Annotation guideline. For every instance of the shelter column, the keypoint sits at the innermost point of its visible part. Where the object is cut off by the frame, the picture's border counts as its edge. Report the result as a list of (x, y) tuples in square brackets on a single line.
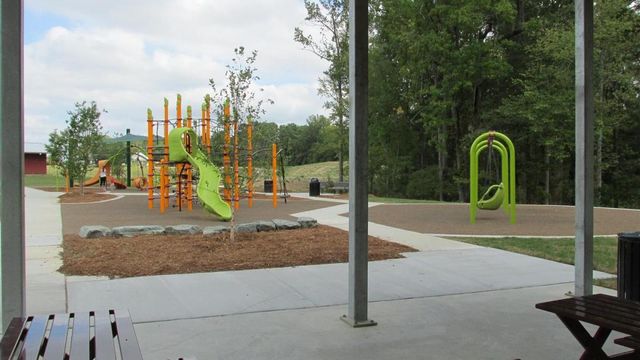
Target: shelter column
[(358, 168), (584, 148), (11, 161)]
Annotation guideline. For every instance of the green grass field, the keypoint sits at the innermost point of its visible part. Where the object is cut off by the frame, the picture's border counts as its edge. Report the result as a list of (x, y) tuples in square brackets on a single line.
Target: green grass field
[(605, 251)]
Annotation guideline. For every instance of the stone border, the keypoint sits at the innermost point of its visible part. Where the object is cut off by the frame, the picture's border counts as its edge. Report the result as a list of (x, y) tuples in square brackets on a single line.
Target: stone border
[(98, 231)]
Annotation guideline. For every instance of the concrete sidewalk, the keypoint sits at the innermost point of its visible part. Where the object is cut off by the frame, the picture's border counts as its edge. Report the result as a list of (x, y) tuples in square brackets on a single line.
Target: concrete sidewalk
[(454, 301), (46, 291), (486, 325)]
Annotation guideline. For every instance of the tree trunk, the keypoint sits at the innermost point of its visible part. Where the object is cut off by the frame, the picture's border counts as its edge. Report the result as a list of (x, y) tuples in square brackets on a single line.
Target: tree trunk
[(547, 177), (341, 130), (442, 159), (598, 169)]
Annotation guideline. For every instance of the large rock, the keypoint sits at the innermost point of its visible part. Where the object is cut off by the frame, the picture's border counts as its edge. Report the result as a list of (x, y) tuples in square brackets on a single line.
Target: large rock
[(183, 229), (134, 230), (307, 222), (265, 225), (94, 231), (282, 224), (247, 228), (213, 230)]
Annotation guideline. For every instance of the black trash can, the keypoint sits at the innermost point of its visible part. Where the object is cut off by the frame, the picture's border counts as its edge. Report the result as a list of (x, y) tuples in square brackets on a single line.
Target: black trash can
[(268, 186), (314, 187), (629, 266)]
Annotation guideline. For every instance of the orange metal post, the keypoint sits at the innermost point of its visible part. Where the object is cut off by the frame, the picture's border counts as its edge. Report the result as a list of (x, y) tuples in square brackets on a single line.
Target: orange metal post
[(207, 102), (225, 154), (274, 174), (188, 166), (203, 125), (179, 111), (250, 161), (162, 180), (166, 130), (236, 177), (150, 155)]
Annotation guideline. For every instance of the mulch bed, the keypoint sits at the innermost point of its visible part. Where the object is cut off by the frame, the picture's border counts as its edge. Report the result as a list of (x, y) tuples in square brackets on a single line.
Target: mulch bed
[(157, 255), (90, 195)]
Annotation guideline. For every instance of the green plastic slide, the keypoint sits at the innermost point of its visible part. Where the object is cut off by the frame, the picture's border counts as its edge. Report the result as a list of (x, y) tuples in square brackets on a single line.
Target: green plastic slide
[(209, 175)]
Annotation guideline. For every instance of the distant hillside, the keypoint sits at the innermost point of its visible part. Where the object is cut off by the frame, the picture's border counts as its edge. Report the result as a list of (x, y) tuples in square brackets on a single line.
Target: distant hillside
[(324, 171), (127, 137)]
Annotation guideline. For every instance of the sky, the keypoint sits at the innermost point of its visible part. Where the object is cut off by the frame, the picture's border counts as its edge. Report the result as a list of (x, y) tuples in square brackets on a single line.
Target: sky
[(128, 56)]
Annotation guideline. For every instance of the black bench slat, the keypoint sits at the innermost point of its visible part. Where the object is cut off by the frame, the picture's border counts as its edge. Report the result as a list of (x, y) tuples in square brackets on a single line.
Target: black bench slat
[(598, 311), (35, 337), (10, 337), (129, 348), (628, 341), (80, 337), (57, 339), (103, 337)]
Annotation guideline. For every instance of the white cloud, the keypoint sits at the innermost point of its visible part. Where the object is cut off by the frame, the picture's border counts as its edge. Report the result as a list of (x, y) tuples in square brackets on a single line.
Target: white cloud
[(129, 55)]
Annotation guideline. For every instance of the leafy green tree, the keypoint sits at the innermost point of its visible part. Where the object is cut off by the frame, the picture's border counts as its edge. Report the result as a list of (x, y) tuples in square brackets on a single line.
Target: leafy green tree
[(332, 19), (74, 149)]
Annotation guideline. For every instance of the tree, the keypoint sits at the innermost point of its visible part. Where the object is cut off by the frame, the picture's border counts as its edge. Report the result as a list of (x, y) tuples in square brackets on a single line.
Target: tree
[(331, 16), (74, 149), (240, 76)]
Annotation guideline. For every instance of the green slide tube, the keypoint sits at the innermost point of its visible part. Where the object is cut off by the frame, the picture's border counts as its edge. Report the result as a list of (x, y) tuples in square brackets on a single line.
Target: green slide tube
[(209, 182)]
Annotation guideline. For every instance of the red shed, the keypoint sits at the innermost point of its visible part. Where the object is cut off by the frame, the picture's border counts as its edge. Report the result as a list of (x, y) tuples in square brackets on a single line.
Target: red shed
[(35, 163)]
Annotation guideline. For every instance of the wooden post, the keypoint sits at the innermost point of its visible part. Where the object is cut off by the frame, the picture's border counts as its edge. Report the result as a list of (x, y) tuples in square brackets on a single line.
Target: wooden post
[(150, 155), (274, 174)]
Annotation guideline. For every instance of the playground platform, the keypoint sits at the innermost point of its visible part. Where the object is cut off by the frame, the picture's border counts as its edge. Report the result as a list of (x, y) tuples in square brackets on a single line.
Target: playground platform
[(449, 301)]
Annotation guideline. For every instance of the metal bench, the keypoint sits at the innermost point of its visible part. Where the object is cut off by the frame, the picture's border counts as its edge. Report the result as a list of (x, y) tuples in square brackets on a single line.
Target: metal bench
[(340, 187), (74, 336), (609, 313)]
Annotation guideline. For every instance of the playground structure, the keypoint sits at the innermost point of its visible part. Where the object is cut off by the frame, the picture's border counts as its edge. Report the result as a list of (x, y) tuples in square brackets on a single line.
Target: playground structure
[(105, 164), (181, 153), (497, 195)]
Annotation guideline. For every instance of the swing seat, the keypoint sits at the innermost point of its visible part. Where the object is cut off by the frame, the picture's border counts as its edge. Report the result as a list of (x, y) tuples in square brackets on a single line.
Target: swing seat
[(492, 198)]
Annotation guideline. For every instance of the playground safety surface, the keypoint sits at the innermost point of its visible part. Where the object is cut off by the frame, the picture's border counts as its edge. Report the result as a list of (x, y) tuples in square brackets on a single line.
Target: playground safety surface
[(532, 220)]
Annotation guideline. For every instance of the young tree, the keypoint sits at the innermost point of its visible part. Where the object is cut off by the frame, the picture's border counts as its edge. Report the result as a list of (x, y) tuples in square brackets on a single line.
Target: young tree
[(332, 18), (239, 90), (74, 148)]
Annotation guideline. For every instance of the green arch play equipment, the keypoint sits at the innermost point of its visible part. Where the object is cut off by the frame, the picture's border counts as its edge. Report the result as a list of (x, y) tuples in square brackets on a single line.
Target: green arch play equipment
[(503, 194), (183, 147)]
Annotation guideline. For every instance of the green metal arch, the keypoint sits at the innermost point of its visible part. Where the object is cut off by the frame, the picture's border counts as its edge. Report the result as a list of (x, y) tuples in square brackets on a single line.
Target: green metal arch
[(510, 185)]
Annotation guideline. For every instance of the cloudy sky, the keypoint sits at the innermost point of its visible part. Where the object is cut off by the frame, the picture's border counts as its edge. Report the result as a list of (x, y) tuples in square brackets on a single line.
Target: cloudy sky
[(128, 55)]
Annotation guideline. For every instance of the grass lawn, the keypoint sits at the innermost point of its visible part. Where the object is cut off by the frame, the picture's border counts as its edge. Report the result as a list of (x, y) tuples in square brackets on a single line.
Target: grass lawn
[(605, 251)]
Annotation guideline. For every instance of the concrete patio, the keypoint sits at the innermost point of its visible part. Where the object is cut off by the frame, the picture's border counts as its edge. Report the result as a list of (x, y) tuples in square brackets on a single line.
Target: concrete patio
[(449, 301)]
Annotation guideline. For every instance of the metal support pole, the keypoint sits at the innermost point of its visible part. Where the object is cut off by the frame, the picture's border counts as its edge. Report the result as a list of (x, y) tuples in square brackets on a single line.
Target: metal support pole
[(12, 161), (584, 148), (358, 164)]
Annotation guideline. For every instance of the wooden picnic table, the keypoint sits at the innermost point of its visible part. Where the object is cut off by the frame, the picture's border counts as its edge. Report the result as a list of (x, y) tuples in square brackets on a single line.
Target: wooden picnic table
[(607, 312), (81, 335)]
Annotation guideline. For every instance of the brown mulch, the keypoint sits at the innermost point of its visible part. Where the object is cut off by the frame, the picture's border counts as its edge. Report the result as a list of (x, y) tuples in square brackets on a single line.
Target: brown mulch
[(90, 195), (163, 254)]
